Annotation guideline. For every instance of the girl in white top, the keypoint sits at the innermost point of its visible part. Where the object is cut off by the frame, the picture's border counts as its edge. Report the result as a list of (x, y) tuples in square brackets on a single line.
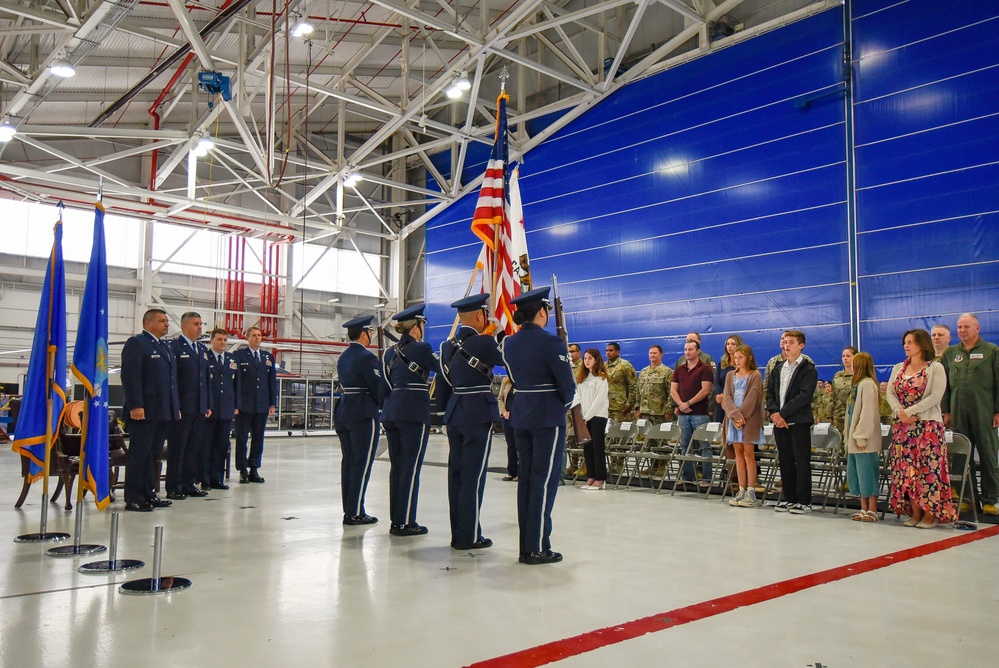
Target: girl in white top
[(863, 437), (591, 393)]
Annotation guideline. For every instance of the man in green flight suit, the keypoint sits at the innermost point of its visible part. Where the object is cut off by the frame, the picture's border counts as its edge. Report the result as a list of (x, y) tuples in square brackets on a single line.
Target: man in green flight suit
[(970, 403)]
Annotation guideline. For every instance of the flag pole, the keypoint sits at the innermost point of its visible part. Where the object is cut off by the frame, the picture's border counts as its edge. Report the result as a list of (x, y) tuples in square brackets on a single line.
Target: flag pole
[(43, 536)]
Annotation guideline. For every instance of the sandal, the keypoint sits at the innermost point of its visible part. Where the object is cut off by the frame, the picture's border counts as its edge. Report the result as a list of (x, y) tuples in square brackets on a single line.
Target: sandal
[(869, 516), (859, 516), (910, 522)]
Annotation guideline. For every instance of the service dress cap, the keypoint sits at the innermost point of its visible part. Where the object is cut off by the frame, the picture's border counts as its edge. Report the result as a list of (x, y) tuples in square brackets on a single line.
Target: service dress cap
[(471, 303), (414, 312), (362, 322), (535, 295)]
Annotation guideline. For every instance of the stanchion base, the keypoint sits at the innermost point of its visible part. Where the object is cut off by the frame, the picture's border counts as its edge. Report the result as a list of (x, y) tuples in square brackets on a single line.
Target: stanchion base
[(41, 537), (116, 566), (75, 550), (167, 585)]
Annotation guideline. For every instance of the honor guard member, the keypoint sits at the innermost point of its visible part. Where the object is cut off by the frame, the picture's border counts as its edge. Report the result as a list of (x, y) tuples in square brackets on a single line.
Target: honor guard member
[(355, 418), (467, 362), (149, 382), (258, 397), (223, 399), (538, 363), (185, 453), (406, 370)]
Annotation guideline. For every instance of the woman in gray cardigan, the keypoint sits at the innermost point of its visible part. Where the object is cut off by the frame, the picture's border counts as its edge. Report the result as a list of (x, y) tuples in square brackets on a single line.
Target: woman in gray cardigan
[(742, 401), (863, 437)]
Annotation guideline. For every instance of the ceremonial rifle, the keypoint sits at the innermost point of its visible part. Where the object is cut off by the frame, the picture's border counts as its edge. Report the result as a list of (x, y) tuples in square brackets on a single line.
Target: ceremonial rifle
[(576, 414)]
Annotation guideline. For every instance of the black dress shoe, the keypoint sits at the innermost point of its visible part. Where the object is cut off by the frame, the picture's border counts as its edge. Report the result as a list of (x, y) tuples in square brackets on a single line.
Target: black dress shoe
[(195, 492), (546, 557), (219, 485), (254, 477), (408, 530), (142, 507), (243, 477), (176, 496), (523, 557), (480, 544), (356, 520), (160, 503)]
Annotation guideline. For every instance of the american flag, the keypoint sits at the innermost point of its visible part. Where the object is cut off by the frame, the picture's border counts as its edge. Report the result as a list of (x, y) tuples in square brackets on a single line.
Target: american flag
[(499, 222)]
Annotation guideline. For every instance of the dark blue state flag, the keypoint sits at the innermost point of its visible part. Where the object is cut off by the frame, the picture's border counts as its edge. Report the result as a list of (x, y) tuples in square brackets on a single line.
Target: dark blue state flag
[(90, 366), (44, 394)]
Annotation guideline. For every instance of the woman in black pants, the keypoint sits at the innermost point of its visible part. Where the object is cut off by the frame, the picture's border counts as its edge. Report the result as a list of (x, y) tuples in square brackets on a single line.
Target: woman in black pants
[(591, 384)]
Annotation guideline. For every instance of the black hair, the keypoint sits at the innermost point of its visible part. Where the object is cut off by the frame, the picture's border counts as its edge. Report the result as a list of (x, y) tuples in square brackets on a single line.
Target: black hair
[(527, 312)]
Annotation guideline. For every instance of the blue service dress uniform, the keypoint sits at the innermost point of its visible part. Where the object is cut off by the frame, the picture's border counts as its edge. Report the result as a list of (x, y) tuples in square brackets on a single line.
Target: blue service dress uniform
[(258, 392), (469, 413), (223, 398), (184, 453), (406, 418), (149, 381), (355, 420), (538, 364)]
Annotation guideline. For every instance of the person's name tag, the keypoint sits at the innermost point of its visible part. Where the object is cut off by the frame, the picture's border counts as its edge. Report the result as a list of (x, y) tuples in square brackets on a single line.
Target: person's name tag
[(977, 356), (155, 356), (713, 426), (821, 429)]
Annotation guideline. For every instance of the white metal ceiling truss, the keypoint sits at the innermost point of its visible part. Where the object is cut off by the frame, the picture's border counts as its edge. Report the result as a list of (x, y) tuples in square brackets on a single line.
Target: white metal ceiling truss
[(365, 95)]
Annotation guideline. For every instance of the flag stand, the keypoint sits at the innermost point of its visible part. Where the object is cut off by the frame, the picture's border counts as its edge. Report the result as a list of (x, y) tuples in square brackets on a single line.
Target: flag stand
[(43, 536), (156, 584), (113, 564), (77, 549)]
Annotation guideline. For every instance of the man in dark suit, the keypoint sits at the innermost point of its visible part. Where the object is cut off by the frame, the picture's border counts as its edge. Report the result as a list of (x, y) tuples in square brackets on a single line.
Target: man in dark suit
[(470, 409), (223, 399), (258, 397), (789, 401), (149, 382), (356, 418), (185, 451)]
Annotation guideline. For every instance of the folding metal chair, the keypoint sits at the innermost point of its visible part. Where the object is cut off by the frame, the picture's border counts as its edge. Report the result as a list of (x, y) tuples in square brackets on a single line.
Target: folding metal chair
[(767, 466), (630, 459), (828, 463), (654, 455), (959, 457), (706, 433), (619, 443)]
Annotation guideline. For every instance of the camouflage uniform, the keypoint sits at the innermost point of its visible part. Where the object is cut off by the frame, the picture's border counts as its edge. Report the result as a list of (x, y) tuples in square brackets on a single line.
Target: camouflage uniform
[(622, 388), (885, 408), (572, 459), (821, 404), (654, 401), (842, 384)]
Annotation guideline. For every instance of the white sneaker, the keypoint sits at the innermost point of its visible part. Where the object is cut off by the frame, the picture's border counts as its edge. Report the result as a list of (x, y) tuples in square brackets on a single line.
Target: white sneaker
[(801, 509), (749, 499), (782, 507), (734, 501)]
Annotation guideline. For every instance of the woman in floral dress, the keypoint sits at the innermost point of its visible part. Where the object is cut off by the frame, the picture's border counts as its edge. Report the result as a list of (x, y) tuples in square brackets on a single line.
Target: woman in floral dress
[(920, 481)]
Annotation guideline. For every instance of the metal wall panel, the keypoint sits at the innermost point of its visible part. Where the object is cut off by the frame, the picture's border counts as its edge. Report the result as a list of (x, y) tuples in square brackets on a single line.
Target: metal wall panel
[(927, 119), (705, 199)]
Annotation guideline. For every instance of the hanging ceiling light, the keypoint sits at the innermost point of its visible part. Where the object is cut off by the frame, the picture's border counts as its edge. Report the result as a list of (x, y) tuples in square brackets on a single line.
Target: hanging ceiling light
[(453, 91), (62, 68), (7, 131), (353, 179), (462, 82), (204, 145), (302, 28)]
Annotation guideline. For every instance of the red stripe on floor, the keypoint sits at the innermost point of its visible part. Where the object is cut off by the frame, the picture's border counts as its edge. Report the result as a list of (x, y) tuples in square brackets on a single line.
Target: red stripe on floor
[(587, 642)]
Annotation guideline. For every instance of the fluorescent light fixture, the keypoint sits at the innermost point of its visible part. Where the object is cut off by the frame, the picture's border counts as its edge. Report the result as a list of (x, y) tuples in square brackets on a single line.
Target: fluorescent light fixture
[(302, 29), (7, 131), (62, 68), (462, 83), (335, 300), (204, 145), (352, 180)]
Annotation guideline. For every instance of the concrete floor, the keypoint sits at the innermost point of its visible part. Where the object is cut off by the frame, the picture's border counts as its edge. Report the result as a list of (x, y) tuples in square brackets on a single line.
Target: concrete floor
[(278, 580)]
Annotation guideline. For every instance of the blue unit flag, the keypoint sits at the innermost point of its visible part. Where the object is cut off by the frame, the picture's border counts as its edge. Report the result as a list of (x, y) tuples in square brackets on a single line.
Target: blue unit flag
[(37, 425), (90, 366)]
